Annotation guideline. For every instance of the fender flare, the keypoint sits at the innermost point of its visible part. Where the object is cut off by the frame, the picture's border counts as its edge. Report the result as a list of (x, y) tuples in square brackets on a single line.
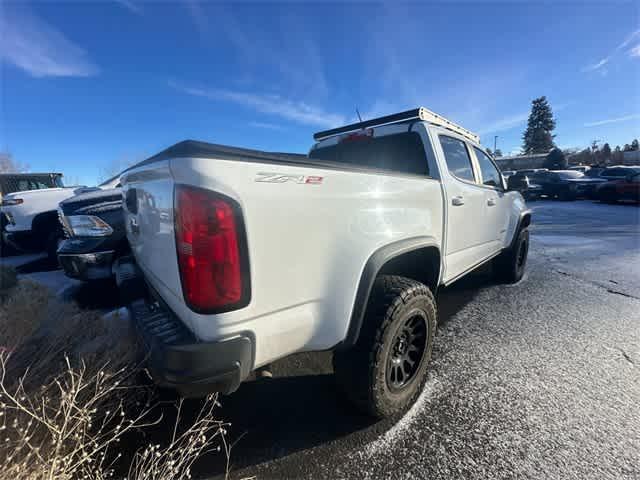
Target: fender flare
[(372, 267), (524, 220)]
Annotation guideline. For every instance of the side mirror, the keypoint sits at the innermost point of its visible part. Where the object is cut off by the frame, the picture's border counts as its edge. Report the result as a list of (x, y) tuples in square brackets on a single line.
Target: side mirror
[(517, 182)]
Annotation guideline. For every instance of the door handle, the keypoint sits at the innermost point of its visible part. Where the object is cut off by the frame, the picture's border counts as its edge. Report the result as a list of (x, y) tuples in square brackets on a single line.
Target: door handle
[(457, 201), (491, 202)]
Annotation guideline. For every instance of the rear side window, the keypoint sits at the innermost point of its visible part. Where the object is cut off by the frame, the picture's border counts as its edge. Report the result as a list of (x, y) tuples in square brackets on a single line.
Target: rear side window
[(457, 157), (401, 152), (490, 175)]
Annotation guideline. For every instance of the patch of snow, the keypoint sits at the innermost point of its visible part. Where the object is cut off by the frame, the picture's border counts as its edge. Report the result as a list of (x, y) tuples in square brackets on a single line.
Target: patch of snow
[(564, 240), (386, 441)]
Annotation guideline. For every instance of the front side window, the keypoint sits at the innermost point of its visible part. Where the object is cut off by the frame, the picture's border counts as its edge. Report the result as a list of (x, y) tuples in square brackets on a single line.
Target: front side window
[(490, 175), (457, 158)]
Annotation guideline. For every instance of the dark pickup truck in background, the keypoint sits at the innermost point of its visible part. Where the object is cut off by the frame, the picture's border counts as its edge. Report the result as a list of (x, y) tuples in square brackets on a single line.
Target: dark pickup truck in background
[(95, 236)]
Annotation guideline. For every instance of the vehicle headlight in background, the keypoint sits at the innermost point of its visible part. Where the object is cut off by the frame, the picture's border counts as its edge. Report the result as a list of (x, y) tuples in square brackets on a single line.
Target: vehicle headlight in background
[(10, 202), (88, 226)]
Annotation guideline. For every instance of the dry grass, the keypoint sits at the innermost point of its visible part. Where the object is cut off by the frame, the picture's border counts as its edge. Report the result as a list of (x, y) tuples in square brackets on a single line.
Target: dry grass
[(72, 406)]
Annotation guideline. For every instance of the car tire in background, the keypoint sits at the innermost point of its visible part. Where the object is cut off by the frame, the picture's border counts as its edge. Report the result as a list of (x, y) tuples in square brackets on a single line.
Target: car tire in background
[(385, 372), (509, 266), (608, 195), (566, 196), (52, 243)]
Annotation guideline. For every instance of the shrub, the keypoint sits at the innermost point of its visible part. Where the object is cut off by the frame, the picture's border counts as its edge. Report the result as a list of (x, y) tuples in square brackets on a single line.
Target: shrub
[(72, 404)]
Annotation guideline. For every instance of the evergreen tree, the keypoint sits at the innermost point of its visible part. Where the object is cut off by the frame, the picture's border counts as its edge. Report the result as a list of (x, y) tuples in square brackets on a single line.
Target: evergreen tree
[(489, 151), (634, 144), (627, 148), (617, 155), (556, 160), (605, 153), (497, 153), (538, 137)]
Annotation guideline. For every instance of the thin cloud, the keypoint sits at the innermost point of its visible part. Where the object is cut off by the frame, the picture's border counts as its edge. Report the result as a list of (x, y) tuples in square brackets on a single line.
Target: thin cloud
[(635, 51), (598, 66), (36, 47), (261, 53), (267, 126), (613, 120), (515, 120), (505, 123), (131, 6), (295, 111)]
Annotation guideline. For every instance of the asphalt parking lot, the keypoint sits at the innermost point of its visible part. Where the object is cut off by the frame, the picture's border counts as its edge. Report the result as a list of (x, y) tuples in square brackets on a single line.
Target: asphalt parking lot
[(535, 380)]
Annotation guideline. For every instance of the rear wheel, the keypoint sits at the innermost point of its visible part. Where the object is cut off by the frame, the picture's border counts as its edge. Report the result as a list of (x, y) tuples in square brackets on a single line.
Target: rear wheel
[(385, 372), (509, 266)]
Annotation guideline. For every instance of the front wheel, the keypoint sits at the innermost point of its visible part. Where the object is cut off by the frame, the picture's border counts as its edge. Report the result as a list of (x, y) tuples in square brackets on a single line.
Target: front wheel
[(385, 372), (509, 266), (52, 244)]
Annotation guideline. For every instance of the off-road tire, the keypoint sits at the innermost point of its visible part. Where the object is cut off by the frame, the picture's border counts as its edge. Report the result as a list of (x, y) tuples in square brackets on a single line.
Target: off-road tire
[(361, 371), (509, 266)]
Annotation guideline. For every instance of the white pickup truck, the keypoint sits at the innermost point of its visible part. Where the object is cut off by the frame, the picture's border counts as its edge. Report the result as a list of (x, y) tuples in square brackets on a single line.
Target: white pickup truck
[(28, 210), (250, 256)]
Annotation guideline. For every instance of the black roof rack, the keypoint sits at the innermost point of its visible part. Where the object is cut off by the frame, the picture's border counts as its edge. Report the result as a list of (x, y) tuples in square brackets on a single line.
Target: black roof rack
[(420, 113)]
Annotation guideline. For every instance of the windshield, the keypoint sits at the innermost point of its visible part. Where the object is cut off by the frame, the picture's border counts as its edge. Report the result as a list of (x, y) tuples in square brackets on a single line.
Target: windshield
[(570, 175), (21, 183), (401, 152)]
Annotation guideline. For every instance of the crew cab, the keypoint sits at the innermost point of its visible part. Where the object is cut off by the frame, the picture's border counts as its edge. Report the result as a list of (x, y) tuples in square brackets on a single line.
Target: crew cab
[(251, 256), (30, 219)]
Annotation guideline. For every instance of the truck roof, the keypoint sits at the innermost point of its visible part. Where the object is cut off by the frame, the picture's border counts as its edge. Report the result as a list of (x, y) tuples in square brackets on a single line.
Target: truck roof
[(416, 114), (30, 174)]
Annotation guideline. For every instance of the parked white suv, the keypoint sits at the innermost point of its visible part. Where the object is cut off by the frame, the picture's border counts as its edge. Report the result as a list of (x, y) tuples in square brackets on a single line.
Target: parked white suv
[(28, 214), (251, 256)]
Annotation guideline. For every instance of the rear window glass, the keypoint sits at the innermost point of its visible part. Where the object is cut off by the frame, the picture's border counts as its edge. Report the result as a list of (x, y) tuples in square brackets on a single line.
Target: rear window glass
[(401, 152)]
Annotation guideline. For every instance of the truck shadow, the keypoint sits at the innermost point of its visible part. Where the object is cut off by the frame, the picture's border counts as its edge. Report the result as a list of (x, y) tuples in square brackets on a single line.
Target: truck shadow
[(301, 406)]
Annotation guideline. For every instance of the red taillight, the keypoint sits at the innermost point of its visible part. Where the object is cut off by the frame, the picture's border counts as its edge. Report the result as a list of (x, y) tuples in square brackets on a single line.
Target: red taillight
[(208, 237)]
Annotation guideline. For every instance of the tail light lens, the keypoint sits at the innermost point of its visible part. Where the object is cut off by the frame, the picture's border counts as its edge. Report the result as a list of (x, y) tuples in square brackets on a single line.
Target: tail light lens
[(212, 255)]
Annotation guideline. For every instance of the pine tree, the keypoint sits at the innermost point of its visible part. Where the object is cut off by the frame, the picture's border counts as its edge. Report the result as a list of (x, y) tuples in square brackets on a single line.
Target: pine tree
[(634, 144), (606, 152), (538, 137), (617, 155), (497, 153), (556, 160)]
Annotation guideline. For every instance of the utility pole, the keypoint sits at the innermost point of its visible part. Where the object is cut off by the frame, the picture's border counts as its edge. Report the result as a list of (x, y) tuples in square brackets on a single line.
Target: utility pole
[(495, 143)]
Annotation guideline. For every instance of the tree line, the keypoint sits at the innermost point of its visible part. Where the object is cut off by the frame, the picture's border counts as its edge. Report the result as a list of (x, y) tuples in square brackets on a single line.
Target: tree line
[(538, 137)]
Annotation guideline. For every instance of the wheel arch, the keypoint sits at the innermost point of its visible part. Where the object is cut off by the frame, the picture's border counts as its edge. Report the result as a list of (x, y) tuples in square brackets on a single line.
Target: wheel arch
[(524, 220), (44, 223), (418, 258)]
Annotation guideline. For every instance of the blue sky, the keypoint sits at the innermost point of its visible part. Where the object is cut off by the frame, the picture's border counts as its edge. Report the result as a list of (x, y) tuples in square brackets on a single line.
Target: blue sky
[(89, 86)]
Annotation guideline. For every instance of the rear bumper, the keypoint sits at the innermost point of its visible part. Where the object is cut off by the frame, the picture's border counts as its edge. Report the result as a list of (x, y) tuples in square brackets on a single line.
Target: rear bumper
[(177, 360)]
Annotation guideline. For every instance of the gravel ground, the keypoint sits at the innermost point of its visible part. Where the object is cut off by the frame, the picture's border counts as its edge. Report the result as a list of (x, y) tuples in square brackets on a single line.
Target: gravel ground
[(535, 380)]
